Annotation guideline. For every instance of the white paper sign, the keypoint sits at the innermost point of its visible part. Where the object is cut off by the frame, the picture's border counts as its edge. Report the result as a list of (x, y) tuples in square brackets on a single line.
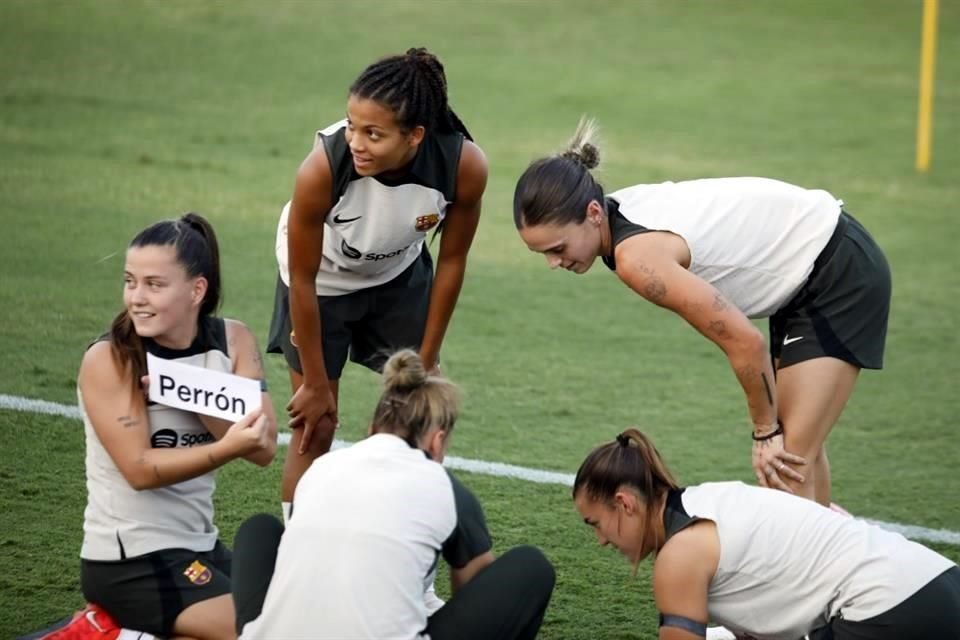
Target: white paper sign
[(191, 388)]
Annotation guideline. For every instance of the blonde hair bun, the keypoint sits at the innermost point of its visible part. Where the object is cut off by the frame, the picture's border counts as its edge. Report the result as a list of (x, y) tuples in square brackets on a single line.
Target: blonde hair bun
[(404, 371)]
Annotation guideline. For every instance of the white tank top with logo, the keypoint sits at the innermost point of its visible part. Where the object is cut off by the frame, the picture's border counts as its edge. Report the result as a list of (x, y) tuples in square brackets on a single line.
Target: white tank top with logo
[(376, 226), (120, 522)]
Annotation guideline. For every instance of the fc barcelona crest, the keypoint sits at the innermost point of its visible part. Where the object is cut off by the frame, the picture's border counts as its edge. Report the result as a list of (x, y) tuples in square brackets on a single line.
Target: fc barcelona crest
[(197, 573), (427, 222)]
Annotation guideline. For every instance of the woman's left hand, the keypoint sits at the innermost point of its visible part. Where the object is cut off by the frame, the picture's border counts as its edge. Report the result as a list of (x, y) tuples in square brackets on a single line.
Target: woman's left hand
[(770, 460)]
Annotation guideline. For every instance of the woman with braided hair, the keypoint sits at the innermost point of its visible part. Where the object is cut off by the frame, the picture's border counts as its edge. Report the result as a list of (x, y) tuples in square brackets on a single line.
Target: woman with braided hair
[(765, 564), (356, 278)]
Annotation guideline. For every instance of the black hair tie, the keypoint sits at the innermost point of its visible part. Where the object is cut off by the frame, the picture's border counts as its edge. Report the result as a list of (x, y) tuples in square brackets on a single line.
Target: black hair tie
[(623, 440)]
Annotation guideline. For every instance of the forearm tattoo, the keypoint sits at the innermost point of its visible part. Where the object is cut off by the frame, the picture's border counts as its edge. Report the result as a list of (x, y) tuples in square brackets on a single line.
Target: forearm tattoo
[(128, 421), (719, 303), (766, 387), (719, 328)]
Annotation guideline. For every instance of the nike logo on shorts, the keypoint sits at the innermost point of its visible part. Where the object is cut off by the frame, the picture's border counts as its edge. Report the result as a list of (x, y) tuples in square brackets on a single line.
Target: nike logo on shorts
[(788, 340), (339, 220)]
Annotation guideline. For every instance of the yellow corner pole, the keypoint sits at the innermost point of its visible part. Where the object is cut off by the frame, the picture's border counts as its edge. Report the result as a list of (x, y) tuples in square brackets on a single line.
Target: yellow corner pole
[(928, 59)]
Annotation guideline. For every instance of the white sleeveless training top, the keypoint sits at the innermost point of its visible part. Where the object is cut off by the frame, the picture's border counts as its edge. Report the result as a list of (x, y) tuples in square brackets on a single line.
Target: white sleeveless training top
[(789, 565), (754, 239), (376, 227), (121, 522)]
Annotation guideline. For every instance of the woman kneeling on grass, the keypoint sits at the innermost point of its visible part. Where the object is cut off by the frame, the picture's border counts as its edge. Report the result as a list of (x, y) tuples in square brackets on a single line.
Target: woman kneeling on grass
[(368, 526), (765, 564), (151, 557)]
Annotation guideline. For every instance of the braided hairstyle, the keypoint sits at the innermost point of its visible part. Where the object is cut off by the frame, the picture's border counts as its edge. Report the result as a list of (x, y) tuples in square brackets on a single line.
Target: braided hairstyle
[(414, 87)]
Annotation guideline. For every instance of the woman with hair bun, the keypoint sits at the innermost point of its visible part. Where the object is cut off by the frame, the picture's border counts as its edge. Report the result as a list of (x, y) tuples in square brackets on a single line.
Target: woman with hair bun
[(719, 252), (368, 526), (765, 564)]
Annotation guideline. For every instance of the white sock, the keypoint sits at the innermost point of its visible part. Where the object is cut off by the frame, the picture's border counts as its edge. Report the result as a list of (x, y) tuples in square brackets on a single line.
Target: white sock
[(130, 634), (286, 507)]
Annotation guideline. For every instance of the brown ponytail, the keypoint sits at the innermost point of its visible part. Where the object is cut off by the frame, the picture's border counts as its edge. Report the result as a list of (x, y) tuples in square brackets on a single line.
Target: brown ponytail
[(629, 461)]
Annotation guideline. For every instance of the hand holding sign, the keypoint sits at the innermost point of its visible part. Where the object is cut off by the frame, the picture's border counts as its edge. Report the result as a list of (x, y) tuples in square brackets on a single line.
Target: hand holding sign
[(249, 434), (200, 390)]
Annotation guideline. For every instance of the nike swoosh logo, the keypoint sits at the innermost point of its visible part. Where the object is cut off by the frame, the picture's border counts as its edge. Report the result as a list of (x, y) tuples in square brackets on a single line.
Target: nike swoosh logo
[(91, 617), (340, 220), (788, 340)]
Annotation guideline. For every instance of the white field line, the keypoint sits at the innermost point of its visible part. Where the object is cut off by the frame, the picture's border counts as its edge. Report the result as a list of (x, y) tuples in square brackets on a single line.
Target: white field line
[(498, 469)]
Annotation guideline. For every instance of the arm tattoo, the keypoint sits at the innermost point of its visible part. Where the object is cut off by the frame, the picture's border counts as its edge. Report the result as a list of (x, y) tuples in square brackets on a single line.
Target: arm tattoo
[(719, 327), (655, 290), (258, 360), (746, 372), (719, 304), (128, 421), (766, 387)]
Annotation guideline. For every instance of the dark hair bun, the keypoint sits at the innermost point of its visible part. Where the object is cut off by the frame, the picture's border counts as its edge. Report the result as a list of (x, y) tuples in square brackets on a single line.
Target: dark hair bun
[(419, 52), (587, 155), (582, 149)]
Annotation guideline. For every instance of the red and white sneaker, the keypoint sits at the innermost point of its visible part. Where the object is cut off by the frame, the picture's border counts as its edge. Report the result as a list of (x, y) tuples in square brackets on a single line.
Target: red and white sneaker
[(92, 623)]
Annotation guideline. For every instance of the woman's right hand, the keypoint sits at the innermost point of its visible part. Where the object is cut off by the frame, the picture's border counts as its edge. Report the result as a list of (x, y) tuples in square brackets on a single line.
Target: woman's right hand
[(248, 435), (313, 409), (771, 460)]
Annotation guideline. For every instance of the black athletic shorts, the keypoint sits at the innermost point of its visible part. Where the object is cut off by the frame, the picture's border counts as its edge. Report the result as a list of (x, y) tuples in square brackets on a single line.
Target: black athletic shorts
[(842, 309), (148, 592), (932, 612), (368, 325)]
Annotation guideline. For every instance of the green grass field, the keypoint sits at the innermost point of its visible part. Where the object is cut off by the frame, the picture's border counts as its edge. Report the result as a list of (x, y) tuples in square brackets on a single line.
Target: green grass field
[(114, 114)]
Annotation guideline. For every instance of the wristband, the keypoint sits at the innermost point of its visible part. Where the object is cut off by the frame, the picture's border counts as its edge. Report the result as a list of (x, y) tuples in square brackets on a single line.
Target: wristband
[(773, 434)]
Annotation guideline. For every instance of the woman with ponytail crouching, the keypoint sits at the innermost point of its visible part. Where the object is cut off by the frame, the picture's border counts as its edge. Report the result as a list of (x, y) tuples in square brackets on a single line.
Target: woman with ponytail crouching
[(370, 523), (765, 564), (151, 557), (356, 278)]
